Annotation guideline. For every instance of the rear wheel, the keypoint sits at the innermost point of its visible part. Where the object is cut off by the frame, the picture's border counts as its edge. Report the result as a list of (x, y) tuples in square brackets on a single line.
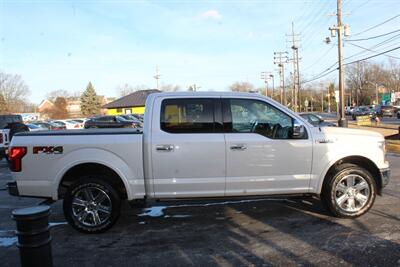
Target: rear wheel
[(349, 192), (91, 205)]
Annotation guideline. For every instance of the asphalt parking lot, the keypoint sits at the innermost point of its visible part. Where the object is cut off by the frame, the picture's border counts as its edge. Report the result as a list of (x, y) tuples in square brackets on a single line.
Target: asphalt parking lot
[(261, 232)]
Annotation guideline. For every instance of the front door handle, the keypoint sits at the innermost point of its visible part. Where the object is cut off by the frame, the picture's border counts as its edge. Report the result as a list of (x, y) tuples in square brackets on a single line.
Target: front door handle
[(238, 147), (166, 148)]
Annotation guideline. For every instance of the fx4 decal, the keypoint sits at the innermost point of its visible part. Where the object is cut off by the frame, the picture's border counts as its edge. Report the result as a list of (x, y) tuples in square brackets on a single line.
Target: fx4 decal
[(48, 150)]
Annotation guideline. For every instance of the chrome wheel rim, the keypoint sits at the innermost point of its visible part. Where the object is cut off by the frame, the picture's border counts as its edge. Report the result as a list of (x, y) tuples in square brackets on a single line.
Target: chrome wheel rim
[(91, 206), (352, 193)]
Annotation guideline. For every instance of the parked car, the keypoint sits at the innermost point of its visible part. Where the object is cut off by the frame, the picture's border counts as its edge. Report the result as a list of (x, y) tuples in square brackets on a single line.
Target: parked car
[(362, 111), (200, 145), (109, 122), (34, 127), (81, 122), (5, 136), (398, 114), (133, 119), (384, 111), (348, 110), (316, 120), (49, 125)]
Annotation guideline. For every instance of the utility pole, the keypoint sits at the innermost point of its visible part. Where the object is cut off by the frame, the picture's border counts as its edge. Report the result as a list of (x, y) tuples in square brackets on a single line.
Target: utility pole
[(281, 58), (341, 30), (265, 76), (273, 85), (296, 74), (157, 76), (322, 97), (329, 99)]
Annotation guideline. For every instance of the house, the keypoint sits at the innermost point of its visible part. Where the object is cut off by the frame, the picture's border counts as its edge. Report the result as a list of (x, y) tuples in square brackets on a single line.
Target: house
[(73, 106), (44, 106), (132, 103)]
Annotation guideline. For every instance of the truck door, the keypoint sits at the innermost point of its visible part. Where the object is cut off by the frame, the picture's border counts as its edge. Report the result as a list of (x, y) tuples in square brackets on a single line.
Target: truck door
[(262, 156), (188, 148)]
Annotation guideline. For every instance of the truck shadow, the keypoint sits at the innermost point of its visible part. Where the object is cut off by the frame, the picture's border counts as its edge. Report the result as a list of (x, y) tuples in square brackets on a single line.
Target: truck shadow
[(284, 232)]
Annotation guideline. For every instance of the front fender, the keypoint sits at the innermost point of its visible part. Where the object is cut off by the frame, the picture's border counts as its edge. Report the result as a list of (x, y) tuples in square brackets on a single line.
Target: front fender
[(326, 161)]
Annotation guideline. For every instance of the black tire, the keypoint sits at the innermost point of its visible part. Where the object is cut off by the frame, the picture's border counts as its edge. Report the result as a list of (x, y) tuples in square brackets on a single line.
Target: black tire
[(329, 193), (95, 185)]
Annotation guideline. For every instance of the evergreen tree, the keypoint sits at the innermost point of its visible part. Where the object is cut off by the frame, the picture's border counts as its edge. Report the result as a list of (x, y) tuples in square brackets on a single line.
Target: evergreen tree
[(90, 104)]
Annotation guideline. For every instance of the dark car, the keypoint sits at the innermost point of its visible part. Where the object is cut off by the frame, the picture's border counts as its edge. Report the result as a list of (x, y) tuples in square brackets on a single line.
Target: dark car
[(316, 120), (363, 111), (109, 122), (383, 111), (6, 119), (5, 123), (133, 119)]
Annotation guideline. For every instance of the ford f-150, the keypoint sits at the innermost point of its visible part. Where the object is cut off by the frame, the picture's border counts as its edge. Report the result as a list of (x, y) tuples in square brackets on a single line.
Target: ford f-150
[(199, 145)]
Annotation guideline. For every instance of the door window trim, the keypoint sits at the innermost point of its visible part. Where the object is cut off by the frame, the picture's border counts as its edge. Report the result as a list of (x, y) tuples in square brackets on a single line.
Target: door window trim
[(227, 117)]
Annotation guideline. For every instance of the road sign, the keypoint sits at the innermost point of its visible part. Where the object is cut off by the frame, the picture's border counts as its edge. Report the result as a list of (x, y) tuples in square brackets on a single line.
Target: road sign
[(337, 96), (363, 120)]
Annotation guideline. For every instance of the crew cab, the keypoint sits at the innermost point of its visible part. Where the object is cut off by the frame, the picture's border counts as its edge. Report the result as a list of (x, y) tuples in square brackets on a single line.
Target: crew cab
[(199, 145)]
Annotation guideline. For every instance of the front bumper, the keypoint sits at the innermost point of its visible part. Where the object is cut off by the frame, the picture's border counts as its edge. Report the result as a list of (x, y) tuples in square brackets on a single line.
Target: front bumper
[(385, 176), (12, 189)]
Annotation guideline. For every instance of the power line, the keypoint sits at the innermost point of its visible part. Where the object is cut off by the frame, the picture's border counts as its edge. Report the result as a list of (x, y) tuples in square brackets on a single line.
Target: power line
[(382, 53), (380, 24), (361, 5), (373, 50), (319, 76), (372, 37)]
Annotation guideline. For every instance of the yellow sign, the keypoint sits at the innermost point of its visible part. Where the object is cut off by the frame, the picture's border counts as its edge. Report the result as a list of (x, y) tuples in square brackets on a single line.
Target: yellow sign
[(364, 120)]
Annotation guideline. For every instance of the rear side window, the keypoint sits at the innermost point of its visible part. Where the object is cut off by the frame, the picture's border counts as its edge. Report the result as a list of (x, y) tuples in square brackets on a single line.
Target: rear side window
[(193, 115)]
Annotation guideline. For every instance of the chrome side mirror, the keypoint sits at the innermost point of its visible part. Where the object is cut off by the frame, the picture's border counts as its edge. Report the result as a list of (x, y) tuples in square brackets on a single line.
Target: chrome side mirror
[(298, 130)]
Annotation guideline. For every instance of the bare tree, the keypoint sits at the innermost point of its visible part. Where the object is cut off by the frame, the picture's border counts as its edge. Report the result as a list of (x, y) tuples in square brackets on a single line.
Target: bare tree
[(127, 89), (3, 105), (53, 95), (170, 88), (14, 91), (241, 87)]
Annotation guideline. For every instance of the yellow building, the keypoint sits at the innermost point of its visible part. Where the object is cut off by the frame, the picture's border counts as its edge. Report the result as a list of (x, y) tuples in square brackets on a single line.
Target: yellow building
[(129, 104)]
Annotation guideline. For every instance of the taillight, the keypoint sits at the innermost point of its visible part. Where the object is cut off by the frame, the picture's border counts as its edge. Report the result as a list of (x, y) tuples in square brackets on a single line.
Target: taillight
[(15, 155), (76, 126)]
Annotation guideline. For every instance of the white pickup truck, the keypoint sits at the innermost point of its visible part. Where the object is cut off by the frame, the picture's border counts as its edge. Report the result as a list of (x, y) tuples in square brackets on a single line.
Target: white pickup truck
[(199, 145)]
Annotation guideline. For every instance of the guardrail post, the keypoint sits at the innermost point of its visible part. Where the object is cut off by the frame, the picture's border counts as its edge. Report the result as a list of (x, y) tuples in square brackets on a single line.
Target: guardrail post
[(34, 240)]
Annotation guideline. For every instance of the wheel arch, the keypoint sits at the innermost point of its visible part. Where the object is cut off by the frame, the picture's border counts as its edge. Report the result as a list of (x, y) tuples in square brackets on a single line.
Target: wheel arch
[(99, 170), (360, 161)]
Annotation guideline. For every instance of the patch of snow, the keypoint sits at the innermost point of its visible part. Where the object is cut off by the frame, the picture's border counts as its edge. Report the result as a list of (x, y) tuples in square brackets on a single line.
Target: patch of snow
[(7, 241), (158, 211), (52, 224), (155, 211)]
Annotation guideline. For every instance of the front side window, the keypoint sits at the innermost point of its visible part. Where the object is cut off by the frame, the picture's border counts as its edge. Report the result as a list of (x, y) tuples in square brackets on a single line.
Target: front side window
[(187, 115), (254, 116)]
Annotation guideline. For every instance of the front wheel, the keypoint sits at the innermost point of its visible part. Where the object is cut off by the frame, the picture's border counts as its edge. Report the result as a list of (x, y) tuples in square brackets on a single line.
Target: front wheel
[(91, 205), (349, 192)]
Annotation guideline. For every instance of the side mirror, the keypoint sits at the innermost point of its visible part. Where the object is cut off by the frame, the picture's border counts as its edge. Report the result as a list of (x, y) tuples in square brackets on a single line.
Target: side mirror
[(298, 130)]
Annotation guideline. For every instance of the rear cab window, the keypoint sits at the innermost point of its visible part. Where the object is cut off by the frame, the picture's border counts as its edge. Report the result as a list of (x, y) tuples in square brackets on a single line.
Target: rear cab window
[(189, 115)]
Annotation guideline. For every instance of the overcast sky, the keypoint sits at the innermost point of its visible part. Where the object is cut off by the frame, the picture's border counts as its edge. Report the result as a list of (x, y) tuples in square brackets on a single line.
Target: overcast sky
[(65, 44)]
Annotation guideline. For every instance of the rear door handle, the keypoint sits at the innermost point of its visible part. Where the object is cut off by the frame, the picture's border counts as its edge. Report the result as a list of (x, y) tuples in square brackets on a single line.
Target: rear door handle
[(166, 148), (238, 147)]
